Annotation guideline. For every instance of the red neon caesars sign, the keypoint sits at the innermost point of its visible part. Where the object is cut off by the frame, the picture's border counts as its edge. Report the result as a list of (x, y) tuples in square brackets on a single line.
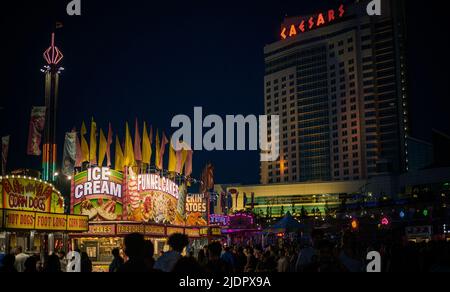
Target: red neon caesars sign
[(313, 22)]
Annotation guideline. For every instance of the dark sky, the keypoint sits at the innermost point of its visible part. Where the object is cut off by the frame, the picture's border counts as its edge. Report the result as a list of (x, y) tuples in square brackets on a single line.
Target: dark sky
[(146, 59)]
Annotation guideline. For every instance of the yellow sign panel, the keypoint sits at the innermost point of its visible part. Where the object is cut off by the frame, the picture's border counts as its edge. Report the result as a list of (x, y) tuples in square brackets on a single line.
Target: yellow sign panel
[(24, 220), (51, 222), (192, 232), (109, 229), (77, 223), (204, 231), (128, 229), (155, 230), (19, 220), (27, 194), (173, 230), (216, 231)]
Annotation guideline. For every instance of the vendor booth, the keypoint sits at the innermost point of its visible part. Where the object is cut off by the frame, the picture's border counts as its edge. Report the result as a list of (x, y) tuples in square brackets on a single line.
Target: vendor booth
[(121, 203), (32, 216)]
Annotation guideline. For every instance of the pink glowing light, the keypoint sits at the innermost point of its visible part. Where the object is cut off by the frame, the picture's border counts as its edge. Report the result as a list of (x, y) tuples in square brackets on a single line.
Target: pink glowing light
[(53, 55)]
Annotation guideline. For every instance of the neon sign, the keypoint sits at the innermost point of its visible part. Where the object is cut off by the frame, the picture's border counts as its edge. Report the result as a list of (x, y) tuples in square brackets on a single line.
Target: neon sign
[(311, 23)]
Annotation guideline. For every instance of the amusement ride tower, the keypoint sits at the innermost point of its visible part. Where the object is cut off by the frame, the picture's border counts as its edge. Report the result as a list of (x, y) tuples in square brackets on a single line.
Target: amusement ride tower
[(52, 71)]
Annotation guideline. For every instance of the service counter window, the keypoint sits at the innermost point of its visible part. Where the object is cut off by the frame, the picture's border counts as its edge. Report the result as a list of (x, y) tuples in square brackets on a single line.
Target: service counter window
[(100, 249)]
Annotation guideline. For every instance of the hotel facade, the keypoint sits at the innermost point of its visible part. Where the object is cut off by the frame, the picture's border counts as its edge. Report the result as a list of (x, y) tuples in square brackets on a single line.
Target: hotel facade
[(337, 79)]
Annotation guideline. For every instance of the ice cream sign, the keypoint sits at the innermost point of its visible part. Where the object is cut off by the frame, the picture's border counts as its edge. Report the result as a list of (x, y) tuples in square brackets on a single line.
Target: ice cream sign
[(97, 193), (98, 183)]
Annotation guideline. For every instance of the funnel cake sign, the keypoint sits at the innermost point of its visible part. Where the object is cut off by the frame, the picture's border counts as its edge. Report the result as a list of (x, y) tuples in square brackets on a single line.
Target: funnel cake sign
[(303, 25), (151, 199)]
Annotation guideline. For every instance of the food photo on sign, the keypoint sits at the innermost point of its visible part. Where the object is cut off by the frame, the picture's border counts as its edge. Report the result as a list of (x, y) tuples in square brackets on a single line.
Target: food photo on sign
[(152, 199), (196, 210)]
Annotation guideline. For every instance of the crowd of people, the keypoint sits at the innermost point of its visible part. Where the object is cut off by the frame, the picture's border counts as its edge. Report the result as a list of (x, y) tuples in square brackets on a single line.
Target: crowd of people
[(53, 263), (318, 254)]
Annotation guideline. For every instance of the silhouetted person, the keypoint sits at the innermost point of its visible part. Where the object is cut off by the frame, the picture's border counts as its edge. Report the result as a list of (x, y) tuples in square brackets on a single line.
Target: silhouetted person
[(8, 264), (241, 259), (251, 262), (117, 261), (62, 260), (168, 260), (215, 264), (202, 259), (149, 252), (31, 265), (86, 263), (228, 258), (188, 266), (135, 251), (52, 264)]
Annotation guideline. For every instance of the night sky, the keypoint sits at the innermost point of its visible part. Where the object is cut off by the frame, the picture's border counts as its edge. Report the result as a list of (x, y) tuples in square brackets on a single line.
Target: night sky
[(128, 59)]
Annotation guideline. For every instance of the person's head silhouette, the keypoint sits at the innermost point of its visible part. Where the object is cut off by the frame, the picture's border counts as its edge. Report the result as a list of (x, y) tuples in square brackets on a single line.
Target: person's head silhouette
[(134, 245)]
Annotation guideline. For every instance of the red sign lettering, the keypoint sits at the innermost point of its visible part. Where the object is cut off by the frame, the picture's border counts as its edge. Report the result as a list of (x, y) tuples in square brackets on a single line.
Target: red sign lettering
[(312, 22)]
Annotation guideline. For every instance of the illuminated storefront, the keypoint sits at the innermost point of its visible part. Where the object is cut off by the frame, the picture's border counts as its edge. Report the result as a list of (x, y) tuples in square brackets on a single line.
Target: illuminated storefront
[(239, 228), (121, 203), (281, 198), (32, 216)]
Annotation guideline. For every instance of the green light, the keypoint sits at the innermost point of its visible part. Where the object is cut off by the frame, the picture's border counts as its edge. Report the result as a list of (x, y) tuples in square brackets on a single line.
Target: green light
[(425, 213)]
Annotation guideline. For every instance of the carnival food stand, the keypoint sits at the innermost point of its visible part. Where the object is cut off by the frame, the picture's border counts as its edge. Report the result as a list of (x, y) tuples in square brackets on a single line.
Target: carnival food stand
[(120, 203), (238, 228), (32, 216)]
